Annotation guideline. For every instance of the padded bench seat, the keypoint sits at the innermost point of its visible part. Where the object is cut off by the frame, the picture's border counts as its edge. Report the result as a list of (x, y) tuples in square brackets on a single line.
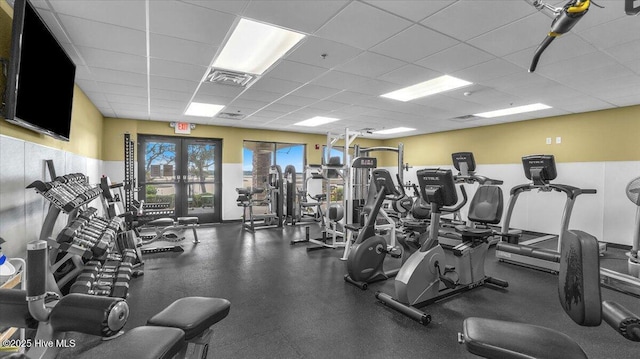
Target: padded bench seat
[(192, 314), (141, 343), (161, 222), (187, 220), (491, 338)]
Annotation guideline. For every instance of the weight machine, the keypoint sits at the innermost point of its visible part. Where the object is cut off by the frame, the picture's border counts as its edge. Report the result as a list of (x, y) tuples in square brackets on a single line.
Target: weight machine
[(274, 202)]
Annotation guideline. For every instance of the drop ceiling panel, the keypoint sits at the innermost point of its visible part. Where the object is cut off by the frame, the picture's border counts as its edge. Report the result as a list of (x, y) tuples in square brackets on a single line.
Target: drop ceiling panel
[(193, 23), (426, 42), (115, 98), (455, 58), (113, 60), (515, 36), (487, 71), (362, 26), (54, 25), (374, 87), (247, 104), (409, 75), (369, 64), (119, 77), (328, 105), (465, 20), (565, 47), (122, 89), (120, 106), (83, 73), (349, 98), (124, 13), (227, 6), (181, 50), (104, 36), (98, 99), (295, 71), (612, 33), (258, 95), (339, 80), (165, 83), (134, 115), (412, 10), (312, 48), (178, 70), (315, 91), (208, 88), (563, 67), (625, 52), (271, 84), (161, 94), (296, 101), (304, 16)]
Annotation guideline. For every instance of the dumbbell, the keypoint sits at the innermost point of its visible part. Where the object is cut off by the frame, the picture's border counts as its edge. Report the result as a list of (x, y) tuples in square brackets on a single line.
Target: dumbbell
[(86, 287), (120, 290)]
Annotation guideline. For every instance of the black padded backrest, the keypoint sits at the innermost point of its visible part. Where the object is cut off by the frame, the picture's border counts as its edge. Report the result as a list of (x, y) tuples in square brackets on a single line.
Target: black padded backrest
[(486, 205), (14, 310), (579, 278)]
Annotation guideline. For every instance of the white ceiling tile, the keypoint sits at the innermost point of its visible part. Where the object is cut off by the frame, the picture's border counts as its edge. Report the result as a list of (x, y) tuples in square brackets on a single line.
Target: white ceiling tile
[(212, 99), (461, 107), (280, 108), (568, 46), (312, 48), (611, 33), (228, 6), (270, 113), (132, 114), (124, 13), (362, 26), (296, 101), (258, 95), (625, 52), (189, 22), (169, 104), (248, 104), (271, 84), (467, 19), (625, 101), (83, 73), (119, 106), (409, 75), (485, 96), (350, 97), (115, 98), (122, 89), (339, 80), (487, 70), (328, 105), (106, 112), (119, 77), (295, 71), (370, 65), (161, 94), (374, 87), (181, 50), (414, 43), (513, 37), (568, 66), (98, 99), (178, 70), (455, 58), (315, 91), (209, 88), (104, 36), (304, 16), (412, 10), (165, 83), (633, 66), (113, 60)]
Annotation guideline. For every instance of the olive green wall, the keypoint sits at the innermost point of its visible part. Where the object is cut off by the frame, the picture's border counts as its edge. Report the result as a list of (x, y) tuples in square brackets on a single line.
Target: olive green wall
[(232, 138), (599, 136), (86, 120)]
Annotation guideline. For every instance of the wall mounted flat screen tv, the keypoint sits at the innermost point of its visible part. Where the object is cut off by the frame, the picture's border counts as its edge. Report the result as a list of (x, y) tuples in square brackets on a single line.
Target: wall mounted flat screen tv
[(40, 76)]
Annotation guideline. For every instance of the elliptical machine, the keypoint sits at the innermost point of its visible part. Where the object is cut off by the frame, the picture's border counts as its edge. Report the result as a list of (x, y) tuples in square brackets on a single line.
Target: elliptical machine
[(367, 254), (418, 282)]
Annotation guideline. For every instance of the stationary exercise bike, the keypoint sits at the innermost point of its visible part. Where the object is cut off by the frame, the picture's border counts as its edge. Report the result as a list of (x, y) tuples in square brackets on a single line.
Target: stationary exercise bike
[(367, 254), (418, 282)]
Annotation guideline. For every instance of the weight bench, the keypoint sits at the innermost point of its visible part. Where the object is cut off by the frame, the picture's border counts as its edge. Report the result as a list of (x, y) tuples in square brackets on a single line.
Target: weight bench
[(163, 225), (183, 329)]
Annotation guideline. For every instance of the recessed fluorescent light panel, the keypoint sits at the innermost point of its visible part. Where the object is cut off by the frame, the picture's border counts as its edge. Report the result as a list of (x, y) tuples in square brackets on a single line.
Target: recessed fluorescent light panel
[(394, 130), (513, 110), (316, 121), (254, 46), (431, 87), (203, 109)]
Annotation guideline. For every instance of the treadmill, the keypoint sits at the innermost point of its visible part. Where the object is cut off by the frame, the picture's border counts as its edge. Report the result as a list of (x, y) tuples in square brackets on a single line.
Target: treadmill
[(541, 170)]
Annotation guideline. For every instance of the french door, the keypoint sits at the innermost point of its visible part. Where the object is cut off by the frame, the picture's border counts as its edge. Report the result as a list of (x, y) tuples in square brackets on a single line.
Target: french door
[(181, 174)]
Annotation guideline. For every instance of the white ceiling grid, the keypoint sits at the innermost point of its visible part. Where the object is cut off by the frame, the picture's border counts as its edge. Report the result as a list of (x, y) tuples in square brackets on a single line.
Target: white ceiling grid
[(355, 50)]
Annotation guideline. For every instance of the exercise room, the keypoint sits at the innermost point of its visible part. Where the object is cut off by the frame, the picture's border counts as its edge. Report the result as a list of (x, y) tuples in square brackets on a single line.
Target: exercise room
[(319, 179)]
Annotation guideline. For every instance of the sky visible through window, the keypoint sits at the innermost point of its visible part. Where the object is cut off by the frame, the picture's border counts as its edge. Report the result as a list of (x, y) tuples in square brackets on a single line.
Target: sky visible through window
[(293, 155)]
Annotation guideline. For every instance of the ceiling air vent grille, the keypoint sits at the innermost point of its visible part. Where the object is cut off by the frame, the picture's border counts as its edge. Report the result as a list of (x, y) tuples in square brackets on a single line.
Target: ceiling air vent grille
[(465, 118), (231, 116), (226, 77)]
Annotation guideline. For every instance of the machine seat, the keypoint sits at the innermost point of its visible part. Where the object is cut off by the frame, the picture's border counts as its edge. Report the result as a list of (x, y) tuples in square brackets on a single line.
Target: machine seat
[(474, 232), (187, 220), (491, 338), (159, 342), (161, 222), (192, 314)]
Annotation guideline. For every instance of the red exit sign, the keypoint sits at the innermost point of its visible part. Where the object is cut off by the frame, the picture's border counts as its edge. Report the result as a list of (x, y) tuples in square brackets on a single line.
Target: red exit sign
[(183, 128)]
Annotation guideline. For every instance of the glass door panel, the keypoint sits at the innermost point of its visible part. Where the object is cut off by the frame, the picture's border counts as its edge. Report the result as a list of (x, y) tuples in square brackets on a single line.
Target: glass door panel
[(159, 185), (202, 182)]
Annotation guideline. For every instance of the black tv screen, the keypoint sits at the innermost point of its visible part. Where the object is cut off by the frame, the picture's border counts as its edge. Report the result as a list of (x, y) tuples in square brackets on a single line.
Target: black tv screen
[(40, 77)]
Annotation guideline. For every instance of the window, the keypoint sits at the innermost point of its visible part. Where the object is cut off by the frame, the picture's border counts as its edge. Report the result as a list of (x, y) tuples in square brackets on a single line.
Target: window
[(259, 156)]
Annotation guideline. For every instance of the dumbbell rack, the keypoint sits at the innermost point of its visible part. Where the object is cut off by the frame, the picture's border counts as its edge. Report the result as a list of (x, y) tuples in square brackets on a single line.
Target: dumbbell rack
[(85, 237)]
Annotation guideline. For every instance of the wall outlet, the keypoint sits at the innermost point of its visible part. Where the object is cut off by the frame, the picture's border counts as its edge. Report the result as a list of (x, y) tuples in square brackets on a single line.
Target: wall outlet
[(558, 140), (548, 140)]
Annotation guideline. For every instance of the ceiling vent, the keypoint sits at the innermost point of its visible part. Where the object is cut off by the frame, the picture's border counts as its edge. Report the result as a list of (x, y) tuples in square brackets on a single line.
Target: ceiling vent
[(231, 116), (226, 77), (465, 118)]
